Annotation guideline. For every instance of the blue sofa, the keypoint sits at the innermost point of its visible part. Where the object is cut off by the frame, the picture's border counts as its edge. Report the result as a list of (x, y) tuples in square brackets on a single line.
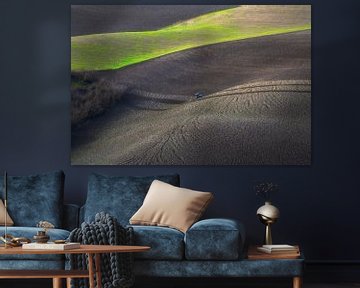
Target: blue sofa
[(210, 248), (32, 199)]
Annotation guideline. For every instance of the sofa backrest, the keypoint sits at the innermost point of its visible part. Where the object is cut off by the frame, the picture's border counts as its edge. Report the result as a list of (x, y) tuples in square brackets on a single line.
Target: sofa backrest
[(35, 198), (120, 196), (70, 219)]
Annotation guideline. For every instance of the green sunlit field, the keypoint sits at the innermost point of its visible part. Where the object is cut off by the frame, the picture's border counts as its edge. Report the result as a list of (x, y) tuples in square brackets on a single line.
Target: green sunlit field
[(116, 50)]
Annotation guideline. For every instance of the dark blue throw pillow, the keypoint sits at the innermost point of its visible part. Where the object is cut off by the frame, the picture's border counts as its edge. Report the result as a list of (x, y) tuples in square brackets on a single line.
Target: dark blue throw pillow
[(35, 198), (120, 196)]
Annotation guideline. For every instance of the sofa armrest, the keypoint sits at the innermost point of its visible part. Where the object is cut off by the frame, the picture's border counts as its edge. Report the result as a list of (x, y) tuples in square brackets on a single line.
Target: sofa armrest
[(71, 216), (215, 239)]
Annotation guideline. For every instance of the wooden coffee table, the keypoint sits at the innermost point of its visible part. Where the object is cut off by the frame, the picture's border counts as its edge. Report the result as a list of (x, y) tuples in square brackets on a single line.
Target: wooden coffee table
[(92, 251)]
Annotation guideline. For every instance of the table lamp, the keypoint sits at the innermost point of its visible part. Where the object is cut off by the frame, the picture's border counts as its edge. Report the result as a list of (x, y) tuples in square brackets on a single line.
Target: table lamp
[(268, 214)]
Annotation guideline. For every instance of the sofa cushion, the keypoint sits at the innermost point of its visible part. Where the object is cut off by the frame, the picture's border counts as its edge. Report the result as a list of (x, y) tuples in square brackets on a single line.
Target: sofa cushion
[(119, 196), (29, 232), (38, 264), (165, 243), (214, 239), (9, 221), (213, 269), (35, 198), (169, 206)]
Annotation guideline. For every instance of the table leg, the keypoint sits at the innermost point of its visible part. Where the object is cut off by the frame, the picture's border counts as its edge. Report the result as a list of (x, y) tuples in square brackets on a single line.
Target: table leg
[(68, 282), (91, 270), (57, 283), (297, 282), (98, 270)]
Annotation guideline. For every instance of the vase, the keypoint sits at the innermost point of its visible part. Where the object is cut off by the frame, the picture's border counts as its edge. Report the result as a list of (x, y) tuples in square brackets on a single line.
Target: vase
[(41, 237)]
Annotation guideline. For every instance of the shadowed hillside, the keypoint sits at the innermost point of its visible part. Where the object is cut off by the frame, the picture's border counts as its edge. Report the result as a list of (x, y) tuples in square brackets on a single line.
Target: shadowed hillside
[(260, 115), (261, 123)]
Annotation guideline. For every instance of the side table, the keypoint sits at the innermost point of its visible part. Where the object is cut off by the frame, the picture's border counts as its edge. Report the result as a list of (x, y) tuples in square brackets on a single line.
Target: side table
[(93, 251), (288, 259)]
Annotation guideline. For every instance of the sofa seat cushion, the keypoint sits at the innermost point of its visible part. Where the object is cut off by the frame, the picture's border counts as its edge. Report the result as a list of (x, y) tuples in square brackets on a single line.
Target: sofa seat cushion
[(214, 239), (120, 196), (166, 243), (29, 232)]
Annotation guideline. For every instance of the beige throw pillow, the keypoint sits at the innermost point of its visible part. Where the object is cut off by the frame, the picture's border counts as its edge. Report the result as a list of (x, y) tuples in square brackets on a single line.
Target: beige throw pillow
[(170, 206), (10, 222)]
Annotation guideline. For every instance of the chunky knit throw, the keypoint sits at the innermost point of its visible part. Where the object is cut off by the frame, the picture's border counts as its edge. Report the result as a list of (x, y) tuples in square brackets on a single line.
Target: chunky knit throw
[(116, 268)]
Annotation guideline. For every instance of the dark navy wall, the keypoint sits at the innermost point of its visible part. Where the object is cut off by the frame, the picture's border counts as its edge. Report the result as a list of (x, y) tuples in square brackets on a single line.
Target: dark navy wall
[(318, 202)]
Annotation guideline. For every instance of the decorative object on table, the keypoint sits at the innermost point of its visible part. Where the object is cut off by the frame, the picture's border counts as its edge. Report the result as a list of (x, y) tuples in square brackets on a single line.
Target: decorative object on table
[(41, 236), (268, 213), (255, 254), (11, 241), (116, 268), (60, 241)]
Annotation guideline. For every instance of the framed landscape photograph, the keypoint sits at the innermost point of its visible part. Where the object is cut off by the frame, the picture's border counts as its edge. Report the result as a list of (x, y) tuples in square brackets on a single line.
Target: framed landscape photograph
[(191, 84)]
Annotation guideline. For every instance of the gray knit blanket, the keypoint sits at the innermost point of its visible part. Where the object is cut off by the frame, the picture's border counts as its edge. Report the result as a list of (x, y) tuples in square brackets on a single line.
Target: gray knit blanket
[(116, 268)]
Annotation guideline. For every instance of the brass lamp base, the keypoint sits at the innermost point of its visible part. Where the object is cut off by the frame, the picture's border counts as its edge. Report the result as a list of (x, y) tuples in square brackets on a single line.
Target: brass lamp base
[(268, 237)]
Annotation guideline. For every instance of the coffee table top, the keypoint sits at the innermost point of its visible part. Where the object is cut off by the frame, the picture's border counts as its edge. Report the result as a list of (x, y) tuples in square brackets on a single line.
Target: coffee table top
[(91, 249)]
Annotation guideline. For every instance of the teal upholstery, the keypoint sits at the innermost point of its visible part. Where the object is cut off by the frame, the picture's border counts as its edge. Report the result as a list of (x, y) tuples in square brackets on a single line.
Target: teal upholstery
[(119, 196), (210, 248), (32, 199), (166, 243), (214, 239), (35, 198), (70, 216), (32, 264), (211, 268)]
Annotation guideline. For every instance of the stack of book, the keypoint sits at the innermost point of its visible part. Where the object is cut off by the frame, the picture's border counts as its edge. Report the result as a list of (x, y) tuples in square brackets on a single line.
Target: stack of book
[(51, 246), (274, 252), (279, 249)]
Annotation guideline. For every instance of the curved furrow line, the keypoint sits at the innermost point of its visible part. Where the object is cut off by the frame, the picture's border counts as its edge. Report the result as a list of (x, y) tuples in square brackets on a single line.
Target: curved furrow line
[(256, 84), (273, 86)]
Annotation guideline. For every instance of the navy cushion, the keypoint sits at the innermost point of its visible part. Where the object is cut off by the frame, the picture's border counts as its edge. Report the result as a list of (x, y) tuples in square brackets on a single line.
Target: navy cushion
[(29, 232), (40, 264), (214, 239), (119, 196), (35, 198), (166, 243)]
